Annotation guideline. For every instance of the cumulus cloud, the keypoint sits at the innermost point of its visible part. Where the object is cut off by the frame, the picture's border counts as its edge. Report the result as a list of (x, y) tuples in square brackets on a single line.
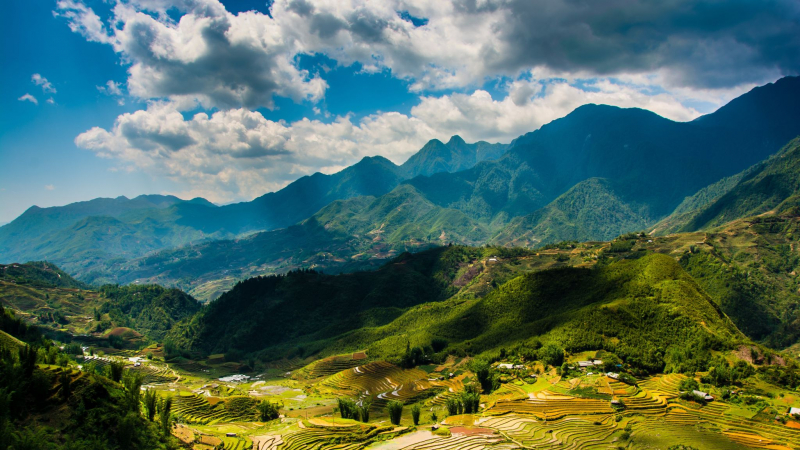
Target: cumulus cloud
[(29, 98), (238, 154), (230, 61), (39, 80), (208, 56)]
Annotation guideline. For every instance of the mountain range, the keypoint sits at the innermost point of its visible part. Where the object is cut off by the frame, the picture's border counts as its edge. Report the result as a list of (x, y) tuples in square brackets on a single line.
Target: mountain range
[(594, 174)]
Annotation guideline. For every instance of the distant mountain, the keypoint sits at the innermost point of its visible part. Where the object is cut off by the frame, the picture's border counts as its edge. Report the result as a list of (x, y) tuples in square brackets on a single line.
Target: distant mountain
[(358, 233), (455, 156), (86, 237), (598, 172), (773, 184), (652, 163)]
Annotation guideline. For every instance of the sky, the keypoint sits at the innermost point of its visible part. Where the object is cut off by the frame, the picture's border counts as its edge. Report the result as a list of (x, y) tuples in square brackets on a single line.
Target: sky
[(228, 100)]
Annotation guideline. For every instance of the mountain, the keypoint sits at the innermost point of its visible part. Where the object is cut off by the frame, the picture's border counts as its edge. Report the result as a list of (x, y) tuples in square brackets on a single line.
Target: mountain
[(358, 233), (594, 174), (652, 162), (591, 208), (86, 237), (455, 156), (771, 184), (46, 295)]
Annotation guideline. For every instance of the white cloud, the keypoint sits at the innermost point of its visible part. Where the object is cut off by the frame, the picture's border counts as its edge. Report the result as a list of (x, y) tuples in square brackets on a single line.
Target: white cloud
[(238, 154), (113, 89), (51, 101), (42, 81), (29, 98), (209, 56), (110, 88), (49, 187), (230, 61)]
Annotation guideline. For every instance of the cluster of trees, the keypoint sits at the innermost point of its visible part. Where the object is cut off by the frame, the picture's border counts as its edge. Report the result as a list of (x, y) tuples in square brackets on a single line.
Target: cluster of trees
[(466, 402), (721, 373), (349, 409)]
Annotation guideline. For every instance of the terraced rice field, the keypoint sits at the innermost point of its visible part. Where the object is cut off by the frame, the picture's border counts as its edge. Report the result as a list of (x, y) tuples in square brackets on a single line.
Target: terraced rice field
[(463, 443), (155, 374), (329, 366), (354, 437), (382, 381), (196, 409)]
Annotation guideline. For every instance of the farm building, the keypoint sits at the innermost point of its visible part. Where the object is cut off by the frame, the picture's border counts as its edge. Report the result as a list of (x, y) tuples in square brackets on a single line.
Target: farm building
[(613, 375), (584, 364), (507, 366), (702, 394), (793, 411)]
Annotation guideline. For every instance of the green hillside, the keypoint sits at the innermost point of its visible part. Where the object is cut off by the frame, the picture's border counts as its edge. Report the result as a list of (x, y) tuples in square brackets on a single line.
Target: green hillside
[(771, 185), (39, 274), (648, 311), (590, 210), (60, 305)]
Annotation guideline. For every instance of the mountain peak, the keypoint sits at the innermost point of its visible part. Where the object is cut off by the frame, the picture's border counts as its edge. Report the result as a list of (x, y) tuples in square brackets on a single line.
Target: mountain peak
[(456, 140)]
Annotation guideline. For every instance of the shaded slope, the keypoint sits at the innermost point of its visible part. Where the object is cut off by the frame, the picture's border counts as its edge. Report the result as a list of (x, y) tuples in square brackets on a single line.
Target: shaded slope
[(772, 184), (454, 156), (648, 311)]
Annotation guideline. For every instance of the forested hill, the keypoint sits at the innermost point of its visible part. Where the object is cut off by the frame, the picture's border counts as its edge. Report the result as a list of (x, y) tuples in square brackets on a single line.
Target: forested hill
[(648, 311)]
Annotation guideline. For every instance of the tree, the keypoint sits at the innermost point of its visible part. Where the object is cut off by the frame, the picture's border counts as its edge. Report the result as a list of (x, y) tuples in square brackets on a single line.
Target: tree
[(267, 411), (65, 384), (348, 409), (150, 402), (485, 374), (115, 370), (363, 409), (165, 419), (552, 354), (395, 410), (415, 411)]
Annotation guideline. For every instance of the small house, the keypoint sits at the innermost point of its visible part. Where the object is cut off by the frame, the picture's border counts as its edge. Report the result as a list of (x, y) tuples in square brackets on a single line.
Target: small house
[(703, 395), (585, 364), (613, 375), (793, 411)]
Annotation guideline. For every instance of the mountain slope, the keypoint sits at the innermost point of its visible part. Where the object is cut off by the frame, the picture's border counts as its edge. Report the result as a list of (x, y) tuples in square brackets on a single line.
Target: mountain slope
[(651, 161), (772, 184), (591, 208)]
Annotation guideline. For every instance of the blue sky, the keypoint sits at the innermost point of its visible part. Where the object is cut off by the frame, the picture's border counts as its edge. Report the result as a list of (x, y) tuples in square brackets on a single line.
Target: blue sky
[(297, 87)]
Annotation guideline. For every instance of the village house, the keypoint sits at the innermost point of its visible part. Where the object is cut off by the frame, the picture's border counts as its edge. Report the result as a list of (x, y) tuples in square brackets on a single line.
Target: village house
[(704, 395)]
